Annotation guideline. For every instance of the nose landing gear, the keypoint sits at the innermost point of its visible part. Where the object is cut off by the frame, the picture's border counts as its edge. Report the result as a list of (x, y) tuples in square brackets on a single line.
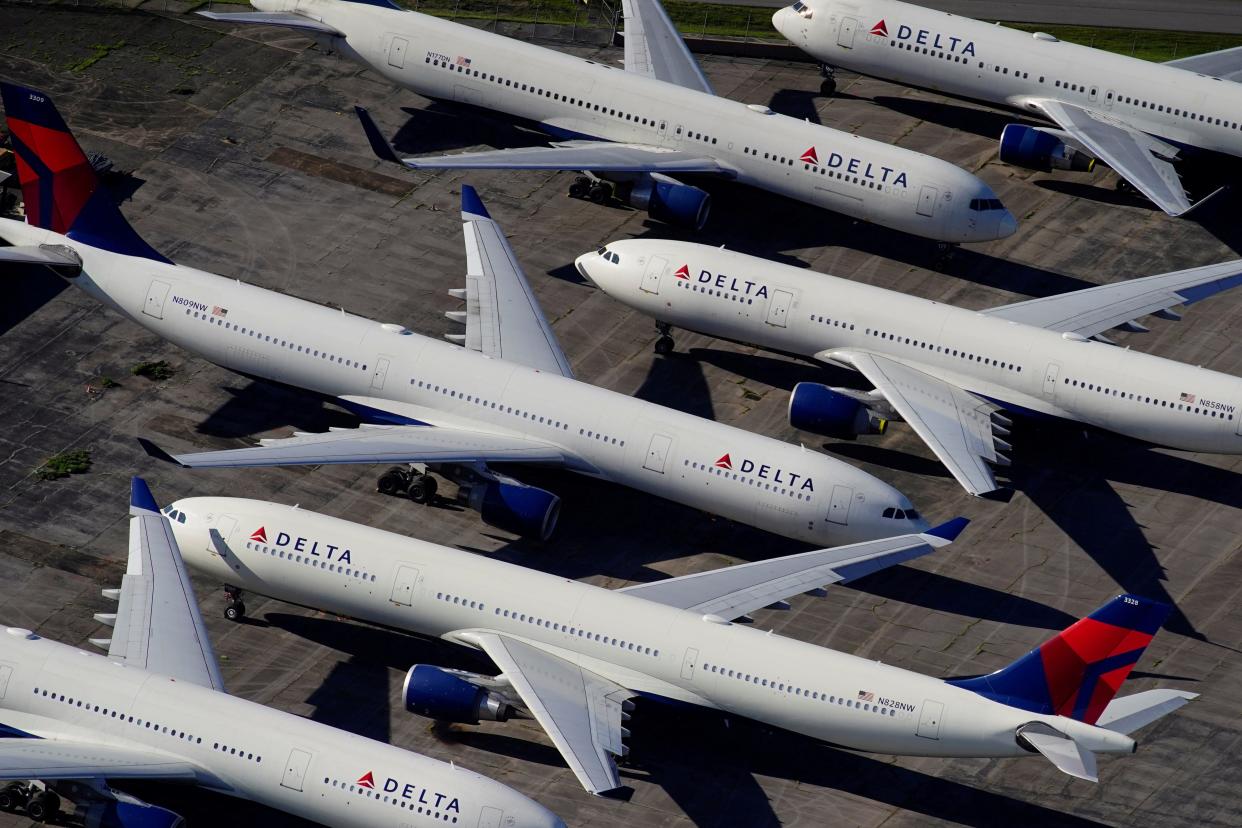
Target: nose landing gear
[(665, 344), (234, 609), (828, 86)]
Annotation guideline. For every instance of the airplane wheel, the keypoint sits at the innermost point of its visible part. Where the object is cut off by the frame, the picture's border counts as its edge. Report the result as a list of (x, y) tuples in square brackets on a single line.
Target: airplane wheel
[(13, 796), (580, 187), (828, 87), (423, 489), (600, 192), (43, 807), (393, 482), (664, 345), (1124, 186), (235, 610)]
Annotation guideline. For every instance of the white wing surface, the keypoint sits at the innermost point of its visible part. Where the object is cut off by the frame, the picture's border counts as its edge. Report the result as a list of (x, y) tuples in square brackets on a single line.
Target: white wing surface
[(158, 626), (1094, 310), (291, 21), (503, 318), (734, 591), (36, 758), (1225, 64), (655, 49), (580, 711)]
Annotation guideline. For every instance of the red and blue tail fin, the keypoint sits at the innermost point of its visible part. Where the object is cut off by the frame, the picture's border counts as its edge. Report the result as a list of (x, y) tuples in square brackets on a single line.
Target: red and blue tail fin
[(61, 190), (1077, 673)]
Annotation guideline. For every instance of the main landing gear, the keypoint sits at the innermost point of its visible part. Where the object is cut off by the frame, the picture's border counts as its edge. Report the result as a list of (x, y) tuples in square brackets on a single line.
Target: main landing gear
[(40, 804), (665, 344), (596, 190), (234, 609), (412, 482), (828, 86), (945, 251)]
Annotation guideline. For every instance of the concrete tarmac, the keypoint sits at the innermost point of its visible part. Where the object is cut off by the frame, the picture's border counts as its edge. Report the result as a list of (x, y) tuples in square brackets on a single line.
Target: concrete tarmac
[(247, 161)]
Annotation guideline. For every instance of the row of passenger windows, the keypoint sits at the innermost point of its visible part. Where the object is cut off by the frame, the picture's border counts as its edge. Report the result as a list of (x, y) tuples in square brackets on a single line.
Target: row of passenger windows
[(836, 323), (727, 474), (862, 181), (710, 291), (275, 340), (815, 695), (1078, 87), (941, 349), (124, 718), (399, 801), (327, 566), (577, 632), (1187, 406)]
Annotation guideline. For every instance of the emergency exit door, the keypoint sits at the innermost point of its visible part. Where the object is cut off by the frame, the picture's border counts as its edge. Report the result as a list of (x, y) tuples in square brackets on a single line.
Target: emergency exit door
[(778, 308), (157, 294), (845, 37), (396, 52), (651, 278), (927, 201), (295, 770), (403, 585)]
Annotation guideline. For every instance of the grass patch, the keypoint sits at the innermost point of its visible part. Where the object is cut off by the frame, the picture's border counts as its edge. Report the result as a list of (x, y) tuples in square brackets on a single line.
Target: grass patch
[(100, 51), (64, 464), (154, 371), (1139, 43)]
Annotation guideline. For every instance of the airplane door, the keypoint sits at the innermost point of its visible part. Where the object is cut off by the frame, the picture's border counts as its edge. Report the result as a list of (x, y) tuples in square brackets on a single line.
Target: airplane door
[(6, 673), (1050, 380), (657, 453), (157, 293), (778, 308), (403, 585), (380, 374), (845, 35), (929, 719), (688, 663), (490, 817), (839, 505), (396, 52), (927, 201), (295, 770), (655, 269)]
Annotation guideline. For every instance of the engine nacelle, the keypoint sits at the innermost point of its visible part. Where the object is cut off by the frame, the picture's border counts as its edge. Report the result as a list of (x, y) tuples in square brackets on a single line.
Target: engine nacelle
[(438, 694), (822, 410), (1038, 149), (514, 507), (130, 814), (667, 199)]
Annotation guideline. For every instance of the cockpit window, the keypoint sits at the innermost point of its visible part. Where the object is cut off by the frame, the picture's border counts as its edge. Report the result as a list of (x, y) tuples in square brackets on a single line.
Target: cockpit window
[(615, 259), (802, 9), (603, 251), (901, 514), (890, 512), (980, 205), (911, 514), (180, 517)]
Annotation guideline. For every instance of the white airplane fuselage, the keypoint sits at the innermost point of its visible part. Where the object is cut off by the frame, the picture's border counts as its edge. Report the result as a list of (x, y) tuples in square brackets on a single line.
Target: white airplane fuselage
[(647, 647), (387, 371), (972, 59), (1022, 368), (244, 749), (573, 98)]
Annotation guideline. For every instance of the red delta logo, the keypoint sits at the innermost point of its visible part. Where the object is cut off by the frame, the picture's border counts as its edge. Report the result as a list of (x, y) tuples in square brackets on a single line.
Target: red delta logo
[(880, 29), (259, 535), (764, 471), (811, 156), (683, 272), (724, 463), (367, 780)]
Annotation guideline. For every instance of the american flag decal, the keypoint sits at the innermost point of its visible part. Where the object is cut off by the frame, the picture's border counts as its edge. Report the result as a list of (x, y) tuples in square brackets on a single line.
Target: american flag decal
[(463, 61), (1187, 398), (866, 695), (216, 310)]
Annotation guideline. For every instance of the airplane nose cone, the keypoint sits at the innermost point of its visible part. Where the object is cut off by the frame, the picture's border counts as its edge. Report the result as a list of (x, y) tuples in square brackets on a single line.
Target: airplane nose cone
[(1007, 226), (778, 19), (580, 264)]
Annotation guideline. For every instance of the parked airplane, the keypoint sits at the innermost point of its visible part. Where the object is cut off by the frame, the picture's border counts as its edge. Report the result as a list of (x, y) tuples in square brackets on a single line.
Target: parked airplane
[(572, 655), (638, 127), (508, 396), (155, 709), (1143, 119), (954, 375)]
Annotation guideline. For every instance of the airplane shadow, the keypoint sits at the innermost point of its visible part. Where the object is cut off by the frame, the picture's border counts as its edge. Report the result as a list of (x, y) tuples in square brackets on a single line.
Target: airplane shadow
[(1096, 193), (778, 373), (887, 458), (568, 273), (203, 808), (796, 103), (1220, 218), (261, 406), (445, 126), (977, 120), (678, 383), (354, 697), (26, 290)]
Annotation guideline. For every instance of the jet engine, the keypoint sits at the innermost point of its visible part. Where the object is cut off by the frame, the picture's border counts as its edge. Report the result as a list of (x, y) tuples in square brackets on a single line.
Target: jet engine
[(832, 412), (130, 814), (513, 506), (1041, 149), (667, 199), (445, 695)]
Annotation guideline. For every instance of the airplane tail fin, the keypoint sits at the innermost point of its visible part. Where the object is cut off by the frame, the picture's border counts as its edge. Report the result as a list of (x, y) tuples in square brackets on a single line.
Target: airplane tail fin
[(62, 192), (1077, 673)]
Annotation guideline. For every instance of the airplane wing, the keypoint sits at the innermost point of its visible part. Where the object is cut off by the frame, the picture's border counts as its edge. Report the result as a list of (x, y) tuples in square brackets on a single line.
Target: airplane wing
[(291, 21), (654, 48), (1135, 155), (604, 156), (37, 758), (734, 591), (1091, 311), (53, 255), (1225, 64), (580, 711), (374, 444), (503, 318), (158, 626), (956, 425)]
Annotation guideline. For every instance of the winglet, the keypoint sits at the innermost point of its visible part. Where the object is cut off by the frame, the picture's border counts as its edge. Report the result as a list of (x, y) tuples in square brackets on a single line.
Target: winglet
[(471, 204), (379, 145), (140, 497), (950, 529), (158, 453)]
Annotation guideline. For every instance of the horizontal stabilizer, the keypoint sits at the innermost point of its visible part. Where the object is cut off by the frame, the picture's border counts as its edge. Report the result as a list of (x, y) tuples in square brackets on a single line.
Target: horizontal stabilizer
[(289, 21), (1129, 713), (53, 255), (1060, 750)]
